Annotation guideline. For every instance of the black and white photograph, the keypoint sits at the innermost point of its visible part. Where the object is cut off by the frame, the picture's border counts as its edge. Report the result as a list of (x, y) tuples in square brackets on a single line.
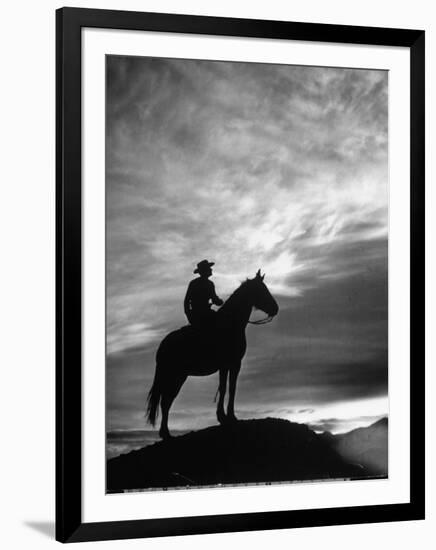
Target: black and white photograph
[(217, 267), (246, 274)]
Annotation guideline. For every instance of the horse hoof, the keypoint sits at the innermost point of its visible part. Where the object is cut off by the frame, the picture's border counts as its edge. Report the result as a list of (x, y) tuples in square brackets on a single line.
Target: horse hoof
[(222, 419), (231, 419), (165, 435)]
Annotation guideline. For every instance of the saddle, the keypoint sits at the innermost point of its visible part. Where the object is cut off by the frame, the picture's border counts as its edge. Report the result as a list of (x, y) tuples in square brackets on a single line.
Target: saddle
[(201, 335), (199, 330)]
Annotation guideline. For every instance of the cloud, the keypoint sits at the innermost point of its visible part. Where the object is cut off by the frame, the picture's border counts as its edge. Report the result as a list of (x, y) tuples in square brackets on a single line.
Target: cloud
[(343, 425), (132, 335), (279, 167)]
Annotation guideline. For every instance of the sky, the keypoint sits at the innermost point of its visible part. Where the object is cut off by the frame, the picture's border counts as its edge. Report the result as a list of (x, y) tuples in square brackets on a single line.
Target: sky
[(278, 167)]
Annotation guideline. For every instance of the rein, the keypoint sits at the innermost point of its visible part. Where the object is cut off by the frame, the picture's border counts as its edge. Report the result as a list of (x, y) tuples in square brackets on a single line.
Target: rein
[(267, 319)]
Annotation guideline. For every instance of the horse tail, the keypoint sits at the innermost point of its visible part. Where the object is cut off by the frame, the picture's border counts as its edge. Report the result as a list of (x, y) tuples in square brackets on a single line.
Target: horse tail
[(216, 395), (154, 397)]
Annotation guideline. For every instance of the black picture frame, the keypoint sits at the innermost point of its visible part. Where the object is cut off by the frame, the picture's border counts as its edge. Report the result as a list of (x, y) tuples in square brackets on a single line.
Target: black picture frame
[(69, 524)]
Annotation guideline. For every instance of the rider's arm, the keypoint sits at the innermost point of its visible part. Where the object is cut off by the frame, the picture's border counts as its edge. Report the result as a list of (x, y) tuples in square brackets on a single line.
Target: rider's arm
[(216, 299)]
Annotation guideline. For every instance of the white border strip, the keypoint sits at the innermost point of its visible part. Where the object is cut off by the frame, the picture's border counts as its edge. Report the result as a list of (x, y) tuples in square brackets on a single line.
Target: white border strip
[(100, 507)]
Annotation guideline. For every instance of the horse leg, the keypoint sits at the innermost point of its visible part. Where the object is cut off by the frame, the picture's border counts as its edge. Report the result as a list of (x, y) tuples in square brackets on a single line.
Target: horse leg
[(165, 405), (168, 396), (233, 376), (220, 414)]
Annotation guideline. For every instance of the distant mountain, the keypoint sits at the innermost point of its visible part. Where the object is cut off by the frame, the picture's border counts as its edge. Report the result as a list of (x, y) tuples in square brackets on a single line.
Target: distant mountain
[(365, 446), (120, 442), (249, 451)]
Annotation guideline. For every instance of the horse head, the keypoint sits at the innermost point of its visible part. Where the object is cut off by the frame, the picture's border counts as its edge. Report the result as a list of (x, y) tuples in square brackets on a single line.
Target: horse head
[(261, 296)]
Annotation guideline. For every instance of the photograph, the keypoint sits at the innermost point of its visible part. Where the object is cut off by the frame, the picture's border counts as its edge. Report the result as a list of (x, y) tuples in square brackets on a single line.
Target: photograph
[(217, 304), (247, 236)]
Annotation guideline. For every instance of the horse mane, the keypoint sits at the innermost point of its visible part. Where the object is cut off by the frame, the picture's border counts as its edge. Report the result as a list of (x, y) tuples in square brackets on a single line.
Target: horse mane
[(235, 296)]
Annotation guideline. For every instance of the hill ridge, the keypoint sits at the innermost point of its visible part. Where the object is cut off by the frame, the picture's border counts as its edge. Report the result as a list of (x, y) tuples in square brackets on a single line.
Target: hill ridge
[(249, 451)]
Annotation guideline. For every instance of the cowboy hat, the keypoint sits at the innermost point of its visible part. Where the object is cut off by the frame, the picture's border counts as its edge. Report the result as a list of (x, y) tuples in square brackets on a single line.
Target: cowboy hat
[(201, 266)]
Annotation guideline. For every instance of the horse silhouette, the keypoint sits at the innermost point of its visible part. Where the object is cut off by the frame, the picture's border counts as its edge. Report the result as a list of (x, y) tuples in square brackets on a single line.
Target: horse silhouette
[(220, 346)]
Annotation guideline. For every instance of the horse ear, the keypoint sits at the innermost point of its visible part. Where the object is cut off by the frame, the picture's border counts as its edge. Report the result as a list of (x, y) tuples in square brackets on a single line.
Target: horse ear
[(258, 276), (263, 277)]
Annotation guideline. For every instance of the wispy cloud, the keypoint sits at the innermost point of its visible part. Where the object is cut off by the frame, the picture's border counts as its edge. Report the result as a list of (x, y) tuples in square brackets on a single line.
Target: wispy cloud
[(278, 167)]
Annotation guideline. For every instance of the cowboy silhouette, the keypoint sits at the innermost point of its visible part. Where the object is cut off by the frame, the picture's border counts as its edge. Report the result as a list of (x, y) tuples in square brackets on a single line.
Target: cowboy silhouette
[(200, 296)]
